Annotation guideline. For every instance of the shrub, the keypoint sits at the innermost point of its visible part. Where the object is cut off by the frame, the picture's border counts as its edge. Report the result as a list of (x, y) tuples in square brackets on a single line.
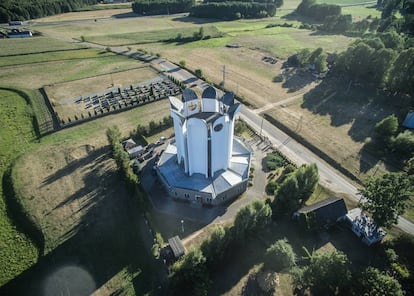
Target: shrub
[(278, 78), (274, 161), (280, 255), (271, 187)]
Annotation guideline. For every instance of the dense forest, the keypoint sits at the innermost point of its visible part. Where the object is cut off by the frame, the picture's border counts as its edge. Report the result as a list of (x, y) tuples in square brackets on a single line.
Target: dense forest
[(161, 6), (229, 10), (29, 9)]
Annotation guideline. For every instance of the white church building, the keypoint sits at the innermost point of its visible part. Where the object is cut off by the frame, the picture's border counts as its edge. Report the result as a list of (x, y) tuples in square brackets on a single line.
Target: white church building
[(206, 163)]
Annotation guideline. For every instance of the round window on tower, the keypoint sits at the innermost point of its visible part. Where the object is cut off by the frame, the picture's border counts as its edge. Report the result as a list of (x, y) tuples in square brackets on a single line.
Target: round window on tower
[(218, 127)]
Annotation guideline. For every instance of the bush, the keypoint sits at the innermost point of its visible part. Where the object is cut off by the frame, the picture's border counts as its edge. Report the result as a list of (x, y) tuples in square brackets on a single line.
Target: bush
[(280, 255), (274, 161), (198, 73), (271, 187), (278, 78), (404, 143)]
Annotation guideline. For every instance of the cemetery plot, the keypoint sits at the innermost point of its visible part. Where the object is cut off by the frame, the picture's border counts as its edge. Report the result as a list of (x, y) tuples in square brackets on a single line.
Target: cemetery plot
[(115, 99)]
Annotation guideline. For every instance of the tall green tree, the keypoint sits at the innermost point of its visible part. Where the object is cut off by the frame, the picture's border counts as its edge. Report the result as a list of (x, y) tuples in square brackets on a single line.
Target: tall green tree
[(385, 197), (307, 177), (190, 275), (216, 246), (404, 143), (326, 273), (280, 255), (402, 73), (386, 129), (372, 282), (286, 196), (382, 65), (251, 219)]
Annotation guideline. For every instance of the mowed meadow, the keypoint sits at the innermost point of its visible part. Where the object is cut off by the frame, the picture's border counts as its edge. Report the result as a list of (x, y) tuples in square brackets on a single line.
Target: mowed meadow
[(66, 181), (80, 153)]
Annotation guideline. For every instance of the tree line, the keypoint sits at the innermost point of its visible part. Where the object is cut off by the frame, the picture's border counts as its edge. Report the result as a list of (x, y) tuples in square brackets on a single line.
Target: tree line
[(161, 6), (316, 11), (385, 61), (230, 10), (26, 9)]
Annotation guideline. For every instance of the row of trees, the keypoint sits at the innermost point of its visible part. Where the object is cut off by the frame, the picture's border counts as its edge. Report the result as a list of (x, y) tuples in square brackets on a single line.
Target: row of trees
[(191, 274), (121, 157), (316, 11), (161, 6), (381, 61), (233, 10), (306, 57), (27, 9), (328, 273), (295, 190), (278, 3)]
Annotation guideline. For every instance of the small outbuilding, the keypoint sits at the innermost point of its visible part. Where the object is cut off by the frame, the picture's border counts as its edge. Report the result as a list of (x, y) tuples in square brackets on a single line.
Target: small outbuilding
[(135, 152), (364, 227), (176, 246), (323, 213), (129, 144)]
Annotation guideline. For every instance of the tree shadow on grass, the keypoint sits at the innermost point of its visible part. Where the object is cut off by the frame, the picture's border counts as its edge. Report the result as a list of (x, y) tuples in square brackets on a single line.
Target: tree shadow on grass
[(295, 80), (373, 154), (106, 240), (195, 21), (126, 15), (94, 155), (350, 103)]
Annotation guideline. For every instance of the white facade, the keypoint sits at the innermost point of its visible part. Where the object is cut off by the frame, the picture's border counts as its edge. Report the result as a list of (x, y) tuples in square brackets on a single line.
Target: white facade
[(204, 131)]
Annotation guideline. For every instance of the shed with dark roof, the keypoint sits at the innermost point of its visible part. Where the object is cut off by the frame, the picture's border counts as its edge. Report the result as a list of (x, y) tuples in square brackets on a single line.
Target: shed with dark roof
[(176, 246), (325, 212)]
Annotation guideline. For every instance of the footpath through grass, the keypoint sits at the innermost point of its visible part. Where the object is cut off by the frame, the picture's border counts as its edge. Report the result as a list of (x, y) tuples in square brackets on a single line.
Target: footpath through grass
[(17, 252)]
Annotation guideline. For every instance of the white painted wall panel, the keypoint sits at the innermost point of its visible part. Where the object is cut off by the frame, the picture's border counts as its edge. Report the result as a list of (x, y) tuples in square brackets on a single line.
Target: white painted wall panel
[(197, 146), (180, 131), (210, 105), (220, 144)]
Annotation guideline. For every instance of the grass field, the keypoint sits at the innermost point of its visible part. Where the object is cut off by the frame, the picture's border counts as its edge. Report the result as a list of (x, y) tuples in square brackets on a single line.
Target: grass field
[(150, 36), (61, 55), (76, 197), (17, 252), (17, 47), (38, 72)]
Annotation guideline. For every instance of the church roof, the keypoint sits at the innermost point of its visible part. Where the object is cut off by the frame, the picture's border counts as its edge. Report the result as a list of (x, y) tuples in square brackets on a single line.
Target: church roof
[(209, 93), (228, 99), (189, 95)]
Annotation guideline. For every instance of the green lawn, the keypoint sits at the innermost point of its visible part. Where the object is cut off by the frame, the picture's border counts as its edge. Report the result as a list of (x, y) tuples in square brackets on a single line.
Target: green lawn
[(34, 45), (17, 252), (52, 57), (151, 36), (36, 75)]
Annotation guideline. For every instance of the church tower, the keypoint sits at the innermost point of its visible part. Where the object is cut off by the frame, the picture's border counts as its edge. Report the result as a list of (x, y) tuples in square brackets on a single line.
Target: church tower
[(204, 131)]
